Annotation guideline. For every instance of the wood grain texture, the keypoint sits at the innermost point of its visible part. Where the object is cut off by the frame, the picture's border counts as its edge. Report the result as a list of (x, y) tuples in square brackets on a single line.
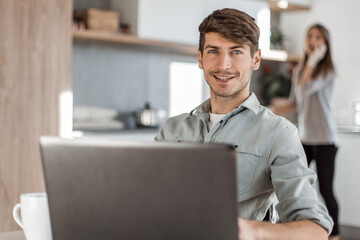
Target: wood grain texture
[(35, 60)]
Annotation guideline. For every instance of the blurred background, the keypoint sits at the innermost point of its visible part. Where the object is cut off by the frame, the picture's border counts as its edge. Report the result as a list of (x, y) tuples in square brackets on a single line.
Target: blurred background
[(119, 68)]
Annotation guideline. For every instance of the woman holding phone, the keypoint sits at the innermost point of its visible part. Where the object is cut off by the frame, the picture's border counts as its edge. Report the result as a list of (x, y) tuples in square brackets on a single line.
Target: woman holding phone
[(312, 96)]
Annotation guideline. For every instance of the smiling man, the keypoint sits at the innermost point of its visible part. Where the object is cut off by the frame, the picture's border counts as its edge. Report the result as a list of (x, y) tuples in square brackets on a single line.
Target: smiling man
[(271, 164)]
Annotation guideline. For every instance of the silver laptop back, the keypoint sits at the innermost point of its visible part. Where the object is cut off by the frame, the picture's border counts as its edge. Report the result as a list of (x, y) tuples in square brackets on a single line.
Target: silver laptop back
[(111, 189)]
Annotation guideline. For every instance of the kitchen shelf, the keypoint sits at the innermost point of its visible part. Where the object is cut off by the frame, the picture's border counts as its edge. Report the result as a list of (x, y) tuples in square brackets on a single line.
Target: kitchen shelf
[(147, 44), (130, 40), (293, 58)]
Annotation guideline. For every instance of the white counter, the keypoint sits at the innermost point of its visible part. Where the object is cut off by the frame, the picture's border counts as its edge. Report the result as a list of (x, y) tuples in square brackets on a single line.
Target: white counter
[(145, 134), (347, 177), (16, 235)]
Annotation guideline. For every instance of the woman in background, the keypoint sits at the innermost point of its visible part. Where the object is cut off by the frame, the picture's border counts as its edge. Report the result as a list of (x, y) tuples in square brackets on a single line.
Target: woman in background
[(312, 96)]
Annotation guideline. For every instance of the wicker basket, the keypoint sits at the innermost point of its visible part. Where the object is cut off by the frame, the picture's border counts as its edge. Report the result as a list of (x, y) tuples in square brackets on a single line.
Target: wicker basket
[(96, 19)]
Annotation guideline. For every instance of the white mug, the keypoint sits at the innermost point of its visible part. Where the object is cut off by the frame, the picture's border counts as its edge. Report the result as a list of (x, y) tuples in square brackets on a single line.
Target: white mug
[(35, 217)]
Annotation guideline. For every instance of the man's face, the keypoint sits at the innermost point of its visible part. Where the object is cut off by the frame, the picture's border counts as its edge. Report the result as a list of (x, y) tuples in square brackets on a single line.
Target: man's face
[(227, 66)]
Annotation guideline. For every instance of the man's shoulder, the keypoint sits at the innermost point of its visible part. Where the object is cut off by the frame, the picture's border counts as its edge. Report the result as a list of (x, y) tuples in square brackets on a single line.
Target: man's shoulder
[(268, 118), (177, 119), (175, 126)]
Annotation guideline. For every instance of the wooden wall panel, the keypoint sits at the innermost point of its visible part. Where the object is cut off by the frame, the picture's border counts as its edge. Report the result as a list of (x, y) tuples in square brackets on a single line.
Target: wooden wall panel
[(35, 61)]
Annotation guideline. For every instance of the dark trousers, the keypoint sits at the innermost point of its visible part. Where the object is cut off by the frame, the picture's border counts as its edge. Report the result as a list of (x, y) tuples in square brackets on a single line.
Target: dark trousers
[(324, 156)]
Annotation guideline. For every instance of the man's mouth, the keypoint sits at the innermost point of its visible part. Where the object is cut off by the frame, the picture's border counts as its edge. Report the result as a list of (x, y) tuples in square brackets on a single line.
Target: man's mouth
[(224, 78)]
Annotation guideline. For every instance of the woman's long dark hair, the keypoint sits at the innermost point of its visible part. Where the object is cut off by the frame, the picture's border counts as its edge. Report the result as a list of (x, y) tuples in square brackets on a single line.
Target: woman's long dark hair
[(325, 66)]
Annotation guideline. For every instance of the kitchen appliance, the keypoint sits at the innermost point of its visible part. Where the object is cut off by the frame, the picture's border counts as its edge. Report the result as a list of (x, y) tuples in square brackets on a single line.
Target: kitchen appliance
[(148, 117)]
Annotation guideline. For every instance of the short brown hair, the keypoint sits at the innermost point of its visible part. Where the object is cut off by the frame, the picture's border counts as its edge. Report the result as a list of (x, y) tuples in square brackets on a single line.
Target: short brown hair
[(234, 25)]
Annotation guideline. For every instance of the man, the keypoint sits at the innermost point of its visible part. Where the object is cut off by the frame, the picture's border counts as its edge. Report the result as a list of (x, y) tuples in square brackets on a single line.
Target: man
[(270, 159)]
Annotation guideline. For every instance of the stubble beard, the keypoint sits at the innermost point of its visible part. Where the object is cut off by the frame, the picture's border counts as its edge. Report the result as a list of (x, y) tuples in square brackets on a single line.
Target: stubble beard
[(231, 94)]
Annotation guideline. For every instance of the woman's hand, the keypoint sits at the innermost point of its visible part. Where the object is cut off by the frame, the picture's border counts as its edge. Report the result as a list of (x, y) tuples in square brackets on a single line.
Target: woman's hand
[(317, 55)]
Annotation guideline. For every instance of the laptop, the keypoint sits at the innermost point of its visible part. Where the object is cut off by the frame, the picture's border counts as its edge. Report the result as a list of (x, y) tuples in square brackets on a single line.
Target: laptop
[(115, 189)]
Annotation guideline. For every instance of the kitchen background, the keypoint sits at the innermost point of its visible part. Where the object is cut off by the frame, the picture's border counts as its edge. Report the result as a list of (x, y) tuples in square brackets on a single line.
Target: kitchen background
[(103, 75), (54, 78)]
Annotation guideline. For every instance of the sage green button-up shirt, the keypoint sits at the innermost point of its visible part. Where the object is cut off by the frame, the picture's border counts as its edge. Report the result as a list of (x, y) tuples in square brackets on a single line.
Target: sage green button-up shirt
[(271, 164)]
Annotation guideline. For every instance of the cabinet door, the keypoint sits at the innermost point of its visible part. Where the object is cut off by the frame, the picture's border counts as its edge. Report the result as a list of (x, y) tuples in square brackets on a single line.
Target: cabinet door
[(179, 21), (35, 86)]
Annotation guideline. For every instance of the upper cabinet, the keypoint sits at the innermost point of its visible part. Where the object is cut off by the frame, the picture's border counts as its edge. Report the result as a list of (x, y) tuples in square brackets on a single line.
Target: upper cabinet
[(289, 5), (179, 21)]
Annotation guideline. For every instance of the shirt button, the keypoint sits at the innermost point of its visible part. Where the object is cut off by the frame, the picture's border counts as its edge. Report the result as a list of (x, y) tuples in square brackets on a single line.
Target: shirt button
[(178, 140), (235, 146), (221, 121)]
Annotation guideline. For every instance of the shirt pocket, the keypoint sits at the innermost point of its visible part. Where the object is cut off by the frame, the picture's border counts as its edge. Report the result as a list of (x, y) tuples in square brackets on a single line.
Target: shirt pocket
[(247, 161)]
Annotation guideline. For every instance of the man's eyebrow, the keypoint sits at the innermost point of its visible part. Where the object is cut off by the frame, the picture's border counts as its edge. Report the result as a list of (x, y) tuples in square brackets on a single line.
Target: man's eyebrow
[(211, 46), (238, 46), (233, 47)]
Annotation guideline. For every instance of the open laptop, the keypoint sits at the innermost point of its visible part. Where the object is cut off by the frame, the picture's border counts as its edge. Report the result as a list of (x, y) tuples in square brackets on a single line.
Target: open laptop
[(112, 189)]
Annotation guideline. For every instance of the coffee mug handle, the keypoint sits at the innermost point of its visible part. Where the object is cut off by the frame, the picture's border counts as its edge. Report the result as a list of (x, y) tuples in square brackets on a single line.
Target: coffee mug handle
[(16, 215)]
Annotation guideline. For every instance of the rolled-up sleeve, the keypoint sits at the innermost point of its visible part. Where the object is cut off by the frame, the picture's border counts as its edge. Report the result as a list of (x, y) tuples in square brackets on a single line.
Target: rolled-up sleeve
[(293, 181)]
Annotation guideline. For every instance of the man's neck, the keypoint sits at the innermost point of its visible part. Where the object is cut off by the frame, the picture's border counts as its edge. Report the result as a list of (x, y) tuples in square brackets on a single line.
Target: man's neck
[(223, 105)]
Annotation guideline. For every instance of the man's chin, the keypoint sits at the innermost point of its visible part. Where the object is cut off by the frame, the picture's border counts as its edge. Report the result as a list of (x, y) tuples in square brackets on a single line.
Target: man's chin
[(224, 94)]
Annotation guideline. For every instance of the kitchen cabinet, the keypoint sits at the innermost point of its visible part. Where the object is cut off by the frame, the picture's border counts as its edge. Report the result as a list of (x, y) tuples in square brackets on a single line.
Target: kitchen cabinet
[(179, 21), (347, 176), (292, 5), (35, 86)]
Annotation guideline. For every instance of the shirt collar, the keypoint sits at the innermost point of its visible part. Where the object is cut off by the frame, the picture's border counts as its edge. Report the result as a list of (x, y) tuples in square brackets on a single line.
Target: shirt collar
[(202, 108), (251, 103)]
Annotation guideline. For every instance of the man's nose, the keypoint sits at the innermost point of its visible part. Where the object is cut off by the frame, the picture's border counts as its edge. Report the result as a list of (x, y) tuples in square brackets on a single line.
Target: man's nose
[(224, 61)]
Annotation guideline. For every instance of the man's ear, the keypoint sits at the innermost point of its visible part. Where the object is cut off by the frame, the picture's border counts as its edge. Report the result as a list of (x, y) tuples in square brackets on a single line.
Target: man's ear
[(200, 59), (257, 59)]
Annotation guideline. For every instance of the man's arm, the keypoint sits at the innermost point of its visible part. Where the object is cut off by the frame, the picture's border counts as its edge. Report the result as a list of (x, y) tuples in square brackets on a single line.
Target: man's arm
[(295, 230), (301, 213)]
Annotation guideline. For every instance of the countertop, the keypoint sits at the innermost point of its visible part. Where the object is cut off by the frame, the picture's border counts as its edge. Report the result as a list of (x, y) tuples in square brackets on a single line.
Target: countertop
[(16, 235), (148, 134), (143, 134), (348, 128)]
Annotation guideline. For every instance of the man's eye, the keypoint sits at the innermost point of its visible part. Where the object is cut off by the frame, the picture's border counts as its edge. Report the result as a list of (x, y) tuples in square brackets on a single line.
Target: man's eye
[(237, 52), (212, 51)]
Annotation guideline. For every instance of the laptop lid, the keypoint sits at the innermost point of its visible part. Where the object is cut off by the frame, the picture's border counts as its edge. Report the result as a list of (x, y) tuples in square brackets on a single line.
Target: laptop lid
[(111, 189)]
